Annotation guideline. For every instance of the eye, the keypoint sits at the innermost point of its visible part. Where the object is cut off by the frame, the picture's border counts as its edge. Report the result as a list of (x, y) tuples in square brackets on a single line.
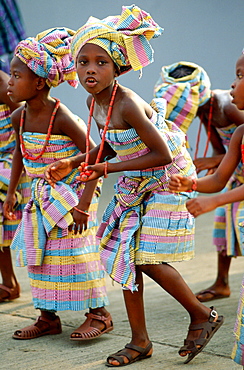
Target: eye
[(82, 62), (16, 75), (239, 76), (102, 62)]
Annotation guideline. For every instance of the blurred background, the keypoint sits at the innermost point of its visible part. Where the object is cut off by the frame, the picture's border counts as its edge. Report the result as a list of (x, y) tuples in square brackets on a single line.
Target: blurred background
[(207, 32)]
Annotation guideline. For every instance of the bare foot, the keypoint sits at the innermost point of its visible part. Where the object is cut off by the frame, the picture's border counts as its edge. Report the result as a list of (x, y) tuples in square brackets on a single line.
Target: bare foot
[(215, 291)]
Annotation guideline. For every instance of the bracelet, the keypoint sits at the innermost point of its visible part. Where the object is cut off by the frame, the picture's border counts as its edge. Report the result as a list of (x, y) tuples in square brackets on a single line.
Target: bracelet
[(105, 169), (194, 185), (83, 212)]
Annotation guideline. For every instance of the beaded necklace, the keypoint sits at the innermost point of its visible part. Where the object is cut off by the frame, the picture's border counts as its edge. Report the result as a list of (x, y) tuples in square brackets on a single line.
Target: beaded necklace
[(49, 131), (210, 116), (86, 173)]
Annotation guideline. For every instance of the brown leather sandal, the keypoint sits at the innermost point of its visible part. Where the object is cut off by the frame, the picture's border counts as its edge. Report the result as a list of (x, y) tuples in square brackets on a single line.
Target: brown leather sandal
[(143, 353), (13, 293), (87, 332), (49, 327), (208, 328)]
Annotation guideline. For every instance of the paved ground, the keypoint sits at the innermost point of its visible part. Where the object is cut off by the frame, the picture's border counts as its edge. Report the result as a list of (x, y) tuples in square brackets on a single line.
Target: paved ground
[(167, 323)]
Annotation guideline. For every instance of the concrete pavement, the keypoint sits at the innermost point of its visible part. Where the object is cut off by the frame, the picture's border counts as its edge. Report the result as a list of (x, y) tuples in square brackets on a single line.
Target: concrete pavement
[(167, 323)]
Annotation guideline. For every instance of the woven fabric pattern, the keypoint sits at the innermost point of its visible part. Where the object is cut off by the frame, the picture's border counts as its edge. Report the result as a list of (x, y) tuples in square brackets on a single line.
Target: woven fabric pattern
[(7, 145), (144, 222), (48, 55), (124, 37), (11, 31), (184, 95), (64, 269), (238, 349), (226, 233)]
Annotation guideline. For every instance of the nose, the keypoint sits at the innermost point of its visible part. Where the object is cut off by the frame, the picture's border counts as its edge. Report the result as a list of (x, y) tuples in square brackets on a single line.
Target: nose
[(90, 71), (10, 82)]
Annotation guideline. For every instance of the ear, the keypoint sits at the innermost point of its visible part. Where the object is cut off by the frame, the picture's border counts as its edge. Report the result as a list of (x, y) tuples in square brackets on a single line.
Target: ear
[(41, 83)]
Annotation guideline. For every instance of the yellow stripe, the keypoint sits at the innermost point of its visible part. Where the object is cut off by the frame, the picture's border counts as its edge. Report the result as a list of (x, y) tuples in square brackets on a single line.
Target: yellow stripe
[(48, 285)]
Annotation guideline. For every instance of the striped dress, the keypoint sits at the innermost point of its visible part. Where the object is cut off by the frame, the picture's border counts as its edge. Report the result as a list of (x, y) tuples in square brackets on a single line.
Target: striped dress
[(238, 350), (227, 235), (64, 269), (145, 223), (7, 145)]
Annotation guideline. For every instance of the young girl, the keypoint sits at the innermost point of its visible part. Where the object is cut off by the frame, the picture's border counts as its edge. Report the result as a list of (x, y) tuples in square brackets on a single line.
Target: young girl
[(215, 183), (186, 87), (9, 289), (145, 226), (56, 238)]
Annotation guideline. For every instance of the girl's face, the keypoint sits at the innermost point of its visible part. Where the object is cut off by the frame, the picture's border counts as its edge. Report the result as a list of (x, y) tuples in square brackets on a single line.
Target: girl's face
[(23, 82), (237, 91), (95, 68)]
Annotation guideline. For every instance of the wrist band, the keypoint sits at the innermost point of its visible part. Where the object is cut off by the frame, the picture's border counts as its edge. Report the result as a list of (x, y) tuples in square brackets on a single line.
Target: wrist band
[(105, 169), (83, 212), (194, 185)]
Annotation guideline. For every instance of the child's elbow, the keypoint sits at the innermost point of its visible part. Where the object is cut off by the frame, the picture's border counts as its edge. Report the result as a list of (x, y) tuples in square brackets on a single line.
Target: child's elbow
[(167, 159)]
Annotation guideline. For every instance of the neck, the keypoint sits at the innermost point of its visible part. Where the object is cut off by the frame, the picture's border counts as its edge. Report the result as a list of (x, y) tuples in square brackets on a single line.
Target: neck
[(103, 98)]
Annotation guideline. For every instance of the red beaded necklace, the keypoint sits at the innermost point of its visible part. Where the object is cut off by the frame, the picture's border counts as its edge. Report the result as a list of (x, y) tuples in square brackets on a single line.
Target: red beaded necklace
[(49, 131), (108, 118), (210, 116)]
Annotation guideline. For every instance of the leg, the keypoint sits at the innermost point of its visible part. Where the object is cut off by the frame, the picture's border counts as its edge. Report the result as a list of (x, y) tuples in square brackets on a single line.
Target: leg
[(135, 311), (220, 288), (8, 277), (171, 281), (98, 322)]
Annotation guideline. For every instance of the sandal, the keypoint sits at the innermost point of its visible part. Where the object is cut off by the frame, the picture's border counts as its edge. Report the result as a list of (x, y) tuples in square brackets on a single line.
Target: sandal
[(143, 354), (87, 332), (208, 328), (33, 331), (13, 293)]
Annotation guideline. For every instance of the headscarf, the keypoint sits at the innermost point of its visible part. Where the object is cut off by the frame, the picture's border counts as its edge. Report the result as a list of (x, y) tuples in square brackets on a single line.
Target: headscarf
[(184, 95), (48, 55), (124, 37)]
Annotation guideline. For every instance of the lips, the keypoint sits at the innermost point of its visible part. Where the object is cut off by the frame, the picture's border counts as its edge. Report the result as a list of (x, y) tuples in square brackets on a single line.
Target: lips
[(90, 81)]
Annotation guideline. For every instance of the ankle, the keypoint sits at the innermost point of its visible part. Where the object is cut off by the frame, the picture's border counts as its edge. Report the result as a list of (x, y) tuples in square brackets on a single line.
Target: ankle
[(49, 315)]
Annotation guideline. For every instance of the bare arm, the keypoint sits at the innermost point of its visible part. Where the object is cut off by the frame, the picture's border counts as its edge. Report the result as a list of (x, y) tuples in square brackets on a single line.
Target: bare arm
[(215, 182), (203, 204), (16, 171)]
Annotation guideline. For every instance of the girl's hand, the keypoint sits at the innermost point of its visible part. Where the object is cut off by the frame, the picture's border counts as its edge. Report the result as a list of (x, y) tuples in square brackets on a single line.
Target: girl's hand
[(57, 171), (210, 164), (180, 183), (89, 173), (200, 205), (80, 222), (8, 207)]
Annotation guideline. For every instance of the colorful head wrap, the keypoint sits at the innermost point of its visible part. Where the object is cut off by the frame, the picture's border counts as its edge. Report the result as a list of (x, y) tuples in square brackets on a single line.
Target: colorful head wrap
[(185, 94), (48, 55), (125, 37)]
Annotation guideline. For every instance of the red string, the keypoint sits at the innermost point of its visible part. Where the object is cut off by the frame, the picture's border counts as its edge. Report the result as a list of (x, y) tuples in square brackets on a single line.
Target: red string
[(210, 117), (49, 131), (111, 103)]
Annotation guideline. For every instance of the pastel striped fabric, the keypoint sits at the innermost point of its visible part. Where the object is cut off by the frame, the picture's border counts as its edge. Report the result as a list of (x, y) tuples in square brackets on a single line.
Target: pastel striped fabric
[(64, 269), (7, 145), (11, 31), (227, 236), (145, 223), (48, 55), (238, 349), (184, 95), (124, 37)]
